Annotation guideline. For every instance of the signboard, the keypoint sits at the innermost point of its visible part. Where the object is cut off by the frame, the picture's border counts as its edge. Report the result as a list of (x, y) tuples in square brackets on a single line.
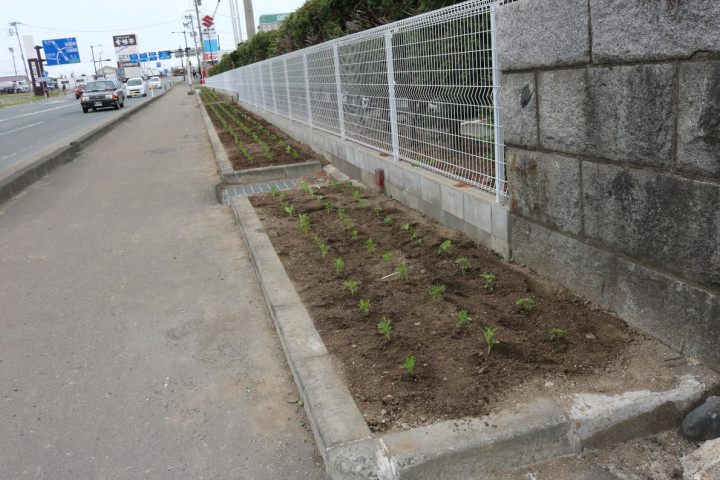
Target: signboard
[(143, 57), (210, 39), (134, 58), (158, 64), (61, 51), (44, 79), (207, 21), (211, 56), (153, 56), (165, 55), (126, 45)]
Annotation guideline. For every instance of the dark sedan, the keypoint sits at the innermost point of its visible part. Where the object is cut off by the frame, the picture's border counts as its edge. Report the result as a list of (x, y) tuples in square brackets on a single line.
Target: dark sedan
[(102, 94)]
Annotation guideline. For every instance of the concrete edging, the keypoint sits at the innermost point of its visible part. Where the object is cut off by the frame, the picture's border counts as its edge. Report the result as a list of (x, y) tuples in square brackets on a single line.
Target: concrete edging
[(451, 449), (252, 175), (18, 181)]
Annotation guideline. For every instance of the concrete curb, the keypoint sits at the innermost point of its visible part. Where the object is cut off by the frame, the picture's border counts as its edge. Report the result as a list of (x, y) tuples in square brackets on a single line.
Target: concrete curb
[(453, 449), (252, 175), (18, 181)]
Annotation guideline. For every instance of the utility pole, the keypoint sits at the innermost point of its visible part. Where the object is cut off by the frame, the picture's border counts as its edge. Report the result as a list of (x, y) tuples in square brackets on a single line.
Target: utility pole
[(12, 52), (93, 57), (249, 19), (187, 70), (204, 62), (192, 27), (15, 24)]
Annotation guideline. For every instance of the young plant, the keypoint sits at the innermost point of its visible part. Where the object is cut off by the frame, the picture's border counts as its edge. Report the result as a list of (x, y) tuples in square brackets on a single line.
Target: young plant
[(289, 210), (356, 194), (526, 303), (415, 239), (318, 240), (387, 257), (319, 198), (304, 187), (402, 270), (385, 327), (348, 223), (341, 213), (464, 264), (305, 222), (352, 285), (406, 227), (273, 190), (339, 265), (362, 202), (436, 292), (377, 211), (463, 318), (388, 220), (370, 245), (327, 207), (354, 234), (324, 249), (557, 334), (488, 280), (364, 305), (489, 333), (409, 364), (445, 248), (281, 196)]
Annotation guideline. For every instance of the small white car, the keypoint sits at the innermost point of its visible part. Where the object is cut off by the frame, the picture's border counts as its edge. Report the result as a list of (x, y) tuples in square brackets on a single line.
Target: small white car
[(154, 82), (135, 87)]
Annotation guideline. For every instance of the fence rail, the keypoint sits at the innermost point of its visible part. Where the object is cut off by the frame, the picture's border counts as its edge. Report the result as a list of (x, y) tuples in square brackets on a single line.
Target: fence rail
[(424, 89)]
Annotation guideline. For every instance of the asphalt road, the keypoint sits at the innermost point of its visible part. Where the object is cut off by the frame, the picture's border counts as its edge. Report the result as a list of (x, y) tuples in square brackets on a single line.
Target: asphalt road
[(135, 343), (29, 130)]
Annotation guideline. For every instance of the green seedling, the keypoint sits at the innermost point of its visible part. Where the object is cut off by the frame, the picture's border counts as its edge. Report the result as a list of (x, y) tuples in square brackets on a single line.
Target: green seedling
[(339, 265), (377, 211), (352, 285), (354, 234), (463, 318), (406, 227), (364, 305), (304, 186), (409, 364), (324, 249), (289, 210), (362, 202), (356, 194), (287, 149), (557, 334), (388, 220), (526, 303), (327, 207), (415, 239), (488, 280), (402, 270), (385, 327), (281, 196), (348, 223), (273, 190), (370, 245), (319, 198), (489, 333), (445, 248), (318, 240), (283, 205), (305, 222), (464, 264), (341, 213), (436, 292), (387, 257)]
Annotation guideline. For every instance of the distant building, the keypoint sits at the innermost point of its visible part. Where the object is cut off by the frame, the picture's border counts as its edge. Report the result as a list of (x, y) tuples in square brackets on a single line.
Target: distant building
[(107, 72), (271, 21)]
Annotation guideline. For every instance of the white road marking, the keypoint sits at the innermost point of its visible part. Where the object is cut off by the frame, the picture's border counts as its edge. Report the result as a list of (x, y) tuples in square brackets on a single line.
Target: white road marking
[(36, 113), (21, 128)]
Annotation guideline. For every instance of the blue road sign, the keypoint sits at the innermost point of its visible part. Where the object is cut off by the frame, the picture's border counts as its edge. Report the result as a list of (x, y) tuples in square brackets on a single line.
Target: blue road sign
[(152, 56), (134, 58), (158, 64), (143, 57), (165, 55), (61, 51)]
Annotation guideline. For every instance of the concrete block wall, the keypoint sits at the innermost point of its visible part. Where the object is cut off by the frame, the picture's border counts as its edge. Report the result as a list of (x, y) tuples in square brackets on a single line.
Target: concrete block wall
[(468, 210), (614, 162)]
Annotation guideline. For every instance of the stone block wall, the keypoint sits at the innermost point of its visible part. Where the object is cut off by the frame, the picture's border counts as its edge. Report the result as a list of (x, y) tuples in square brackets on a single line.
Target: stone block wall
[(612, 133)]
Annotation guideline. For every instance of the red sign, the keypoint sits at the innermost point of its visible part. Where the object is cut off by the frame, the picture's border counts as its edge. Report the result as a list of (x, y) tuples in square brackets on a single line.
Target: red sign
[(207, 20)]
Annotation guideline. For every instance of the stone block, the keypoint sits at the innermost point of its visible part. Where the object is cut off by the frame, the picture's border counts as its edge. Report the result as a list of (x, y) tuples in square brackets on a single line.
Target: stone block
[(571, 263), (452, 199), (479, 236), (653, 30), (478, 212), (518, 95), (413, 181), (699, 119), (684, 317), (546, 189), (703, 463), (622, 113), (501, 221), (542, 33), (669, 222)]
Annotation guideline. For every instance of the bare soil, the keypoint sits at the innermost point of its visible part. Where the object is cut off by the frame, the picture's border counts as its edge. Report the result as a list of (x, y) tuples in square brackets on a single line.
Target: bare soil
[(454, 375)]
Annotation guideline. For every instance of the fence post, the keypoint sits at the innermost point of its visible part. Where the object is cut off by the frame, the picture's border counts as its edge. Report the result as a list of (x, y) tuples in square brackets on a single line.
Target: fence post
[(307, 90), (341, 111), (497, 115), (391, 95), (260, 82), (287, 88), (272, 86)]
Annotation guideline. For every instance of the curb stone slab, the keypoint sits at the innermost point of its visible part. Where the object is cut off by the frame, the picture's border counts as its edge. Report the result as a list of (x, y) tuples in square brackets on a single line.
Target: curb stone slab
[(453, 449)]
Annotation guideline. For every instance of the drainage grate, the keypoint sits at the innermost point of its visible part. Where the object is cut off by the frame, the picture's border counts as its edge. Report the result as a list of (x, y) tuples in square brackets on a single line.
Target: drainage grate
[(230, 192)]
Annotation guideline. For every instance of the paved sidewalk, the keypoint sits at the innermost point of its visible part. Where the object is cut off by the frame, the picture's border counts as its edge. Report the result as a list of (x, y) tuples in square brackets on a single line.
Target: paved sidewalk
[(135, 341)]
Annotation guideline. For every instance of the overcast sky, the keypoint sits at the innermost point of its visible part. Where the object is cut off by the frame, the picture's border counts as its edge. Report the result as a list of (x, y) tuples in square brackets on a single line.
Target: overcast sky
[(95, 22)]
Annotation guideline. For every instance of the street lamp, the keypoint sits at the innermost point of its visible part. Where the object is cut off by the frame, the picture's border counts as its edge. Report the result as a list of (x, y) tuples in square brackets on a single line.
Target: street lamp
[(93, 57), (187, 50)]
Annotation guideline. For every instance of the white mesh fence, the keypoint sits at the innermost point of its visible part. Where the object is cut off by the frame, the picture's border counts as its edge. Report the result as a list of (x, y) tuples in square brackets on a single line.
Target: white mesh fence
[(424, 90)]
